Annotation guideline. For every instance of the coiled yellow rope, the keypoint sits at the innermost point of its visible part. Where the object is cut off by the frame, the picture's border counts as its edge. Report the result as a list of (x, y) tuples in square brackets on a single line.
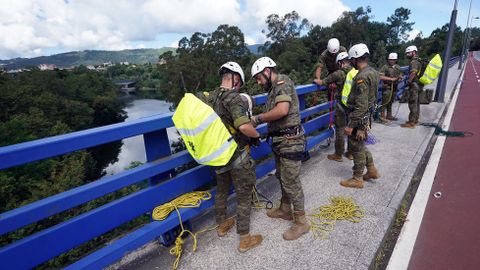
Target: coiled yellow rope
[(340, 208), (187, 200)]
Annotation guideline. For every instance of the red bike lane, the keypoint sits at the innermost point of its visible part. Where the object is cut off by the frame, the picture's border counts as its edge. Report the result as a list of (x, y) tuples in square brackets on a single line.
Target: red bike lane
[(449, 235)]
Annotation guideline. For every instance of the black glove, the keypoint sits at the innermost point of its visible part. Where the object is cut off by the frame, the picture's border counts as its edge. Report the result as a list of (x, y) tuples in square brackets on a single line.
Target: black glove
[(255, 142)]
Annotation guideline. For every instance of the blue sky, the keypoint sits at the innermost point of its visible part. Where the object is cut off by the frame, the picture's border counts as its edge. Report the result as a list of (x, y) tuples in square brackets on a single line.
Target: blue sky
[(32, 28)]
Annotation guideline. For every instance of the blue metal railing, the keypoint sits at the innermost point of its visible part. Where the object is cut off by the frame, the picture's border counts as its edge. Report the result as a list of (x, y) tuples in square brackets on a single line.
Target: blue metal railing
[(164, 187)]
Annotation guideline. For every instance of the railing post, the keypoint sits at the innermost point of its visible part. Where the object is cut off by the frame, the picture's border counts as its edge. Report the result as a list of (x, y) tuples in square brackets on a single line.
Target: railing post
[(157, 146), (302, 104)]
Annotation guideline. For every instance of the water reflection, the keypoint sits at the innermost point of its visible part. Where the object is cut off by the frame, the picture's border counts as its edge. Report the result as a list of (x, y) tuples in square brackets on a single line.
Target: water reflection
[(133, 148)]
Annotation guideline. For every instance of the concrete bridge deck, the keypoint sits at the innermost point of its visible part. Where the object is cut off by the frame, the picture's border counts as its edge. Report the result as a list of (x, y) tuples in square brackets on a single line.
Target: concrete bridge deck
[(397, 154)]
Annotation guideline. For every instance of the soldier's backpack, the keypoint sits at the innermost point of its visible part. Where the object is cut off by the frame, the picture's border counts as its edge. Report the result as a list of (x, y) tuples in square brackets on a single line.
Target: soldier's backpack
[(430, 70), (203, 132)]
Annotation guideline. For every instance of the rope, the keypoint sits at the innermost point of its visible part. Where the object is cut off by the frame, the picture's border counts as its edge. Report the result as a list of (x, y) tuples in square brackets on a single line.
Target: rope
[(340, 208), (440, 131), (187, 200), (258, 199), (330, 124)]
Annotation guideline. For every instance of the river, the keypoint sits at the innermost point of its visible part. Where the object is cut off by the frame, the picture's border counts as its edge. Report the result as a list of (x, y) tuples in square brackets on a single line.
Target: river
[(133, 148)]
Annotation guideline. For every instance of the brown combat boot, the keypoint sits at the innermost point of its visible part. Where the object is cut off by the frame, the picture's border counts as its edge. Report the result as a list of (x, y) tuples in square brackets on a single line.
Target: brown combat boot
[(383, 118), (335, 157), (354, 182), (248, 242), (225, 226), (284, 211), (408, 124), (390, 117), (349, 155), (300, 227), (372, 173)]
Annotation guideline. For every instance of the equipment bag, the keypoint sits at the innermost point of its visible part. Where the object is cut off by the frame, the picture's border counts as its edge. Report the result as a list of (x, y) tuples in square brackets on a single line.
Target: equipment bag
[(431, 70), (425, 96), (203, 132)]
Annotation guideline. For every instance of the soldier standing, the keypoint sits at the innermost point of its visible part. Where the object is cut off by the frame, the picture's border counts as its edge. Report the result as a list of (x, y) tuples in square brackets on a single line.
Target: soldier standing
[(361, 103), (390, 74), (414, 87), (287, 141), (327, 61), (228, 104), (338, 77)]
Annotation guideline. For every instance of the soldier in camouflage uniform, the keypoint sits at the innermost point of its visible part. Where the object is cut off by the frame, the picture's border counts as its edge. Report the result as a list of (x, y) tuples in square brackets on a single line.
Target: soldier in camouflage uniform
[(287, 141), (414, 87), (361, 103), (390, 74), (327, 61), (338, 78), (228, 104)]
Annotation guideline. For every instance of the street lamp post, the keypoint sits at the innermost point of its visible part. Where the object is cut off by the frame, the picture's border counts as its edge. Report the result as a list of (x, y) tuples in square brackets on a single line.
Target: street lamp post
[(462, 53), (442, 82)]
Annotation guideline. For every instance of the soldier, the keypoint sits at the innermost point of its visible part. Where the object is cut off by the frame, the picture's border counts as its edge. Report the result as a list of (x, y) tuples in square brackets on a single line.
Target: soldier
[(228, 104), (361, 103), (414, 87), (327, 61), (338, 78), (287, 141), (390, 74)]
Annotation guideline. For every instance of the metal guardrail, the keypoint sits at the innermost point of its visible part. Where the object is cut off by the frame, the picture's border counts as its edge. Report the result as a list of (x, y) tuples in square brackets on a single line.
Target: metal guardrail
[(164, 186)]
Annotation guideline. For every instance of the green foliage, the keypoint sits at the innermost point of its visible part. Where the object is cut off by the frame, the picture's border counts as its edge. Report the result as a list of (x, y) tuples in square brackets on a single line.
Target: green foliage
[(399, 27)]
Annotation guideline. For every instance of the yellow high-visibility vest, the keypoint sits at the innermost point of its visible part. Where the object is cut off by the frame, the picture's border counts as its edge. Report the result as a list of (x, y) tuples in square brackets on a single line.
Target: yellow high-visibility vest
[(432, 71), (203, 132), (347, 86)]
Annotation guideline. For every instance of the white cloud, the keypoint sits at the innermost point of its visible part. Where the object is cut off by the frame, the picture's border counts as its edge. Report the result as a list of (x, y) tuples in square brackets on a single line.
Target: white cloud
[(30, 27)]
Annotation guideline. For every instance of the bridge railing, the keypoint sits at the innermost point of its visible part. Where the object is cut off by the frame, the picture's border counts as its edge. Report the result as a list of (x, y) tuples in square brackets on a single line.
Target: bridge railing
[(165, 185)]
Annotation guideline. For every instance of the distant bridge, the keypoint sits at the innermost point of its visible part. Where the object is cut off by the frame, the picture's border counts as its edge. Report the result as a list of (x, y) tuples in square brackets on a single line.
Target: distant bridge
[(126, 86)]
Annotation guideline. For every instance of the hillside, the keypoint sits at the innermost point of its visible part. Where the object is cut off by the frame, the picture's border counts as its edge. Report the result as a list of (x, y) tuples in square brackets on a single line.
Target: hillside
[(69, 59)]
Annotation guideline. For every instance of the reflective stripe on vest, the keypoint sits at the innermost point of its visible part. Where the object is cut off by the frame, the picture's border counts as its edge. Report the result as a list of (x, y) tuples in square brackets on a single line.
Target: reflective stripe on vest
[(432, 71), (203, 132), (347, 86)]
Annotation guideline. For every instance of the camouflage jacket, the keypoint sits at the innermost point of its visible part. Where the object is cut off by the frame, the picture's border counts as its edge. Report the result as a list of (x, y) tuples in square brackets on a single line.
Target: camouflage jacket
[(329, 60), (228, 104), (363, 96), (338, 77), (390, 71), (283, 89), (415, 67)]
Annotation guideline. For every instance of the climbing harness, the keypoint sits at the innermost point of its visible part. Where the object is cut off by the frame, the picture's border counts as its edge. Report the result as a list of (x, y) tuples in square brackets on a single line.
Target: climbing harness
[(260, 201), (187, 200), (441, 132), (340, 208)]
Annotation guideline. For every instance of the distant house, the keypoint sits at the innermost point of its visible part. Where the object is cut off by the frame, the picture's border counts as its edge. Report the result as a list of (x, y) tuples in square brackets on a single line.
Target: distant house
[(47, 66)]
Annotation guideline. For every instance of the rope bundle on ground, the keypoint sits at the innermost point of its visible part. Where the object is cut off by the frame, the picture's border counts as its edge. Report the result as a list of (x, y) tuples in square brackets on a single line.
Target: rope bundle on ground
[(340, 208), (187, 200)]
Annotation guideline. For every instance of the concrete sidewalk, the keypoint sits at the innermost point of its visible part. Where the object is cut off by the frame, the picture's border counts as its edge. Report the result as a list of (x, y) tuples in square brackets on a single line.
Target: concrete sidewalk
[(397, 154)]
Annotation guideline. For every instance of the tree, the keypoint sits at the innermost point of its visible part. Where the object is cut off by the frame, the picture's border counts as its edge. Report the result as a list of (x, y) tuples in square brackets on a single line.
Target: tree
[(399, 26)]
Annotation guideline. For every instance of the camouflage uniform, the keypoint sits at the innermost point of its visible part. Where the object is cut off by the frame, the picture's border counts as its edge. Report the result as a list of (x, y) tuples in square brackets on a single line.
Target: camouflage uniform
[(389, 89), (240, 170), (414, 89), (361, 102), (329, 60), (288, 150), (338, 77)]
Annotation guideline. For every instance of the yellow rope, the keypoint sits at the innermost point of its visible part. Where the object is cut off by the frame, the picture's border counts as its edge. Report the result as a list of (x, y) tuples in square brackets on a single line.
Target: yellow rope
[(187, 200), (340, 208)]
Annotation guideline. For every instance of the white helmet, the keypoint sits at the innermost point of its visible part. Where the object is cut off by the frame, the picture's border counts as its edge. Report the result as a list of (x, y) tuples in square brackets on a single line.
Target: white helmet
[(234, 67), (393, 56), (261, 64), (411, 49), (358, 50), (341, 56), (333, 45), (249, 101)]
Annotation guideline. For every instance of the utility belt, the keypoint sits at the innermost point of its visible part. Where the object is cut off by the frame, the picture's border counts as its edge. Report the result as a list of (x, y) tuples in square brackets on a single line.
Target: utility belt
[(288, 132), (243, 155)]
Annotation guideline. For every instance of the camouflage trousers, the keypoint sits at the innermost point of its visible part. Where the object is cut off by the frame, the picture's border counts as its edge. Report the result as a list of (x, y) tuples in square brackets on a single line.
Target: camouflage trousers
[(413, 102), (340, 123), (388, 97), (243, 178), (288, 171), (362, 158)]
